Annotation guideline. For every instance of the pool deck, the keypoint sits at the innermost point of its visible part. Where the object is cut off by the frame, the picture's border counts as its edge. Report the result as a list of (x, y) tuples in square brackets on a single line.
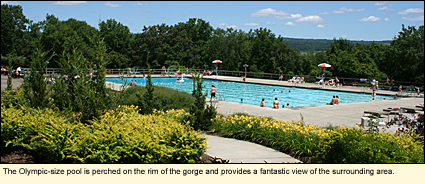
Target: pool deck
[(236, 151), (344, 114)]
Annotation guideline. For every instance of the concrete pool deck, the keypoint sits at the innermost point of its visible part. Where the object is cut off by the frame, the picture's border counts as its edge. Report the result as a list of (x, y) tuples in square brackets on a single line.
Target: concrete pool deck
[(344, 114), (236, 151)]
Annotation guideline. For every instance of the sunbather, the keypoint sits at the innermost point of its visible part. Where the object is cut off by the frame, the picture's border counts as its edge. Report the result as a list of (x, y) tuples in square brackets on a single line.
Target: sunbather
[(334, 101), (281, 78)]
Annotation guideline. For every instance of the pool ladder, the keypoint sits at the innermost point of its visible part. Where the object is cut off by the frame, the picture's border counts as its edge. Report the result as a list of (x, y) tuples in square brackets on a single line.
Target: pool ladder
[(221, 97), (363, 89)]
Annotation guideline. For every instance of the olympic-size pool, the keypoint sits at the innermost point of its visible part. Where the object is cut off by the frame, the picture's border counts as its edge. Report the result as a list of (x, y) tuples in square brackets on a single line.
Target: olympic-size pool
[(254, 93)]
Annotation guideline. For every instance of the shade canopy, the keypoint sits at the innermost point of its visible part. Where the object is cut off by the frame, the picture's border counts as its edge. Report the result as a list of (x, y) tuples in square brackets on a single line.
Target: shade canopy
[(217, 61)]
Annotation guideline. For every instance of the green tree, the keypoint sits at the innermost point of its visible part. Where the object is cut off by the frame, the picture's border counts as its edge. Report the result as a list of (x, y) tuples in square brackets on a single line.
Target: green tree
[(201, 113), (117, 38), (34, 86), (405, 56), (78, 91), (13, 28)]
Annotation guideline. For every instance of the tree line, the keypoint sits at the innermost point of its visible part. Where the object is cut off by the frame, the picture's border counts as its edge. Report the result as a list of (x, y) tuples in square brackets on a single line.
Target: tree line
[(195, 44), (305, 45)]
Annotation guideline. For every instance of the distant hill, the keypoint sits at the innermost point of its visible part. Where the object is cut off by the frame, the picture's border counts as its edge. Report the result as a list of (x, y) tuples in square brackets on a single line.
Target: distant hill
[(305, 45)]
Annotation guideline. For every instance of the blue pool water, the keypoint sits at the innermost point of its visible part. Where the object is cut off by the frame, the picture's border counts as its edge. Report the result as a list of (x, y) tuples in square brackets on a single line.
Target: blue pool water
[(254, 93)]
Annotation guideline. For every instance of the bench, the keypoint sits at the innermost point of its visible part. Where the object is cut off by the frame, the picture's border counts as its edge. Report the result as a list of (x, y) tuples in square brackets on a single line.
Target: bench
[(377, 114)]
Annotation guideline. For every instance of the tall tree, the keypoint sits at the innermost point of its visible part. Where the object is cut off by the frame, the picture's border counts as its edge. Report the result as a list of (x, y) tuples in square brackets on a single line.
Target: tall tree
[(405, 56), (13, 28)]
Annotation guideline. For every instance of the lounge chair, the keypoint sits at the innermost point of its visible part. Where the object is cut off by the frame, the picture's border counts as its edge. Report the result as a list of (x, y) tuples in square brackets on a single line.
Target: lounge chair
[(410, 110), (320, 82), (365, 121), (421, 108), (377, 114)]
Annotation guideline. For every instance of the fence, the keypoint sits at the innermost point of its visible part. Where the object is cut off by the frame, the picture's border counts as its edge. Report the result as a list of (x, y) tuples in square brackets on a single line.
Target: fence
[(272, 76)]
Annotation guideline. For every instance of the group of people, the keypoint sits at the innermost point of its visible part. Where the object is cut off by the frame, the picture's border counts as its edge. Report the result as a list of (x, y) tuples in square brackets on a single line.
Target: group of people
[(15, 72), (335, 100), (133, 83), (275, 104), (294, 79), (50, 80)]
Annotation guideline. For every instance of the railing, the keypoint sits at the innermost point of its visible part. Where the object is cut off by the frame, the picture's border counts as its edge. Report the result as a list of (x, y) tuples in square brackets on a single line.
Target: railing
[(221, 97), (272, 76)]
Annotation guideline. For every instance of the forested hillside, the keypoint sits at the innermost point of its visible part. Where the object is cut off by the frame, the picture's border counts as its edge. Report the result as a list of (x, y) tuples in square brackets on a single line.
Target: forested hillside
[(305, 45), (195, 43)]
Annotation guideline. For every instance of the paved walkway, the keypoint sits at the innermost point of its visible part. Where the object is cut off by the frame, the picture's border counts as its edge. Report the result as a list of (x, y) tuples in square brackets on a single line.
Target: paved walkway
[(237, 151), (16, 82)]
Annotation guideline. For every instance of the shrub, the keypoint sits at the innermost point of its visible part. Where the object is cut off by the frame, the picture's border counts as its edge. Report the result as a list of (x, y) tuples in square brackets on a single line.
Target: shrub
[(202, 113), (165, 98), (337, 145), (119, 136), (348, 145), (14, 98)]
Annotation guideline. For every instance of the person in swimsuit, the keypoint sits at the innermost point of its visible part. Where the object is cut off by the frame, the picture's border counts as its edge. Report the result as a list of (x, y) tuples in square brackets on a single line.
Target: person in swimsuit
[(262, 103), (276, 103), (213, 90)]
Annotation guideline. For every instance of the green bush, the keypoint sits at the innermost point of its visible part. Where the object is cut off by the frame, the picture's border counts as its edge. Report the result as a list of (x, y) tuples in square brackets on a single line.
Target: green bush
[(165, 98), (13, 98), (348, 145), (119, 136), (323, 145)]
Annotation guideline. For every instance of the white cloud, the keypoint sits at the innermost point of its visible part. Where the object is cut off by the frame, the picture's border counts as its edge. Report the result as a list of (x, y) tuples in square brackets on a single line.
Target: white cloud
[(421, 18), (39, 18), (323, 13), (270, 22), (380, 3), (252, 24), (320, 26), (290, 24), (272, 13), (385, 8), (345, 36), (412, 10), (140, 4), (68, 3), (387, 19), (10, 2), (371, 18), (227, 25), (112, 4), (295, 16), (311, 18), (345, 10)]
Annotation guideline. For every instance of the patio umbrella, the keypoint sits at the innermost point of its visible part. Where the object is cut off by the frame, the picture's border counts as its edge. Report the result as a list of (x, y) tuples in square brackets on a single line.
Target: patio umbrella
[(324, 65), (217, 61)]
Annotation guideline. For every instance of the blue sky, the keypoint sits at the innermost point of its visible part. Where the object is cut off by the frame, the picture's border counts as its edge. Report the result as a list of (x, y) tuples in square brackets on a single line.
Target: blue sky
[(352, 20)]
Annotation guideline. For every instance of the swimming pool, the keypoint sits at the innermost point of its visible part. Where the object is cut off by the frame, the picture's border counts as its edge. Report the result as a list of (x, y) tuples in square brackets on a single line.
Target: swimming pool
[(254, 93)]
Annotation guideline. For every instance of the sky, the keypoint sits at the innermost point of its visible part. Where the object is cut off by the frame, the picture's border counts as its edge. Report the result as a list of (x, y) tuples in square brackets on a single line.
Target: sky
[(352, 20)]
